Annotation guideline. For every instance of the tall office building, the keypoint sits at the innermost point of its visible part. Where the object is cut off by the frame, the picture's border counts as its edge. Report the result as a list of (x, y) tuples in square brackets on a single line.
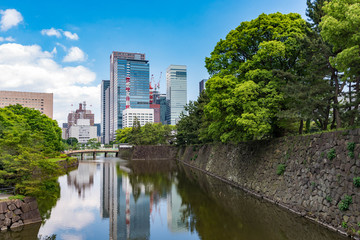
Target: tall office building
[(202, 85), (122, 65), (105, 109), (39, 101), (176, 92), (161, 100)]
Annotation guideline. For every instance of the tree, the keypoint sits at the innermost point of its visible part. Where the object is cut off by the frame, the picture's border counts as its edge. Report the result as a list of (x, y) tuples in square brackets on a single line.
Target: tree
[(340, 27), (149, 134), (93, 143), (72, 141), (192, 127), (25, 144), (48, 130), (245, 94), (122, 135)]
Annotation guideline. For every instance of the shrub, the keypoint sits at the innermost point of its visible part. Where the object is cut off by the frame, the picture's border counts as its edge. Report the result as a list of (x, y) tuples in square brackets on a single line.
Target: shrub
[(356, 181), (344, 204), (351, 146), (328, 199), (21, 197), (351, 154), (344, 225), (281, 169), (331, 154)]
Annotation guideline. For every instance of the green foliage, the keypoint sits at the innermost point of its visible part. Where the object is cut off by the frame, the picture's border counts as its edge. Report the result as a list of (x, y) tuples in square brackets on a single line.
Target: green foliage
[(281, 169), (356, 181), (331, 154), (328, 199), (344, 204), (192, 127), (93, 144), (344, 225), (72, 141), (149, 134), (340, 27), (245, 95), (351, 146), (27, 138), (21, 197)]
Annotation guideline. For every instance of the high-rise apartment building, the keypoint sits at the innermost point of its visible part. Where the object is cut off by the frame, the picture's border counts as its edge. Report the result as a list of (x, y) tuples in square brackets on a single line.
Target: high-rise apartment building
[(105, 110), (176, 92), (39, 101), (122, 65)]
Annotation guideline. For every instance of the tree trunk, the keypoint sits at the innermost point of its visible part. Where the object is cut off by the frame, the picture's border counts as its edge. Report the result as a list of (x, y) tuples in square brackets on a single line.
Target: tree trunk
[(301, 127), (334, 77)]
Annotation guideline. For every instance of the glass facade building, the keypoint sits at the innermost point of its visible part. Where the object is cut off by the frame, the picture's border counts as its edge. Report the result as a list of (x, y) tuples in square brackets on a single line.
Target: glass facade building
[(135, 66), (176, 92), (105, 104)]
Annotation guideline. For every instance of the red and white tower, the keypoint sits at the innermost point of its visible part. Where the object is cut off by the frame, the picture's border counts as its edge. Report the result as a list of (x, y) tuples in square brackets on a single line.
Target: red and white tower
[(127, 92)]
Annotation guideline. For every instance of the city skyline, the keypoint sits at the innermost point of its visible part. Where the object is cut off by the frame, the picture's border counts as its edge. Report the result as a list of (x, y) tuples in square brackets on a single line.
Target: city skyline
[(64, 49)]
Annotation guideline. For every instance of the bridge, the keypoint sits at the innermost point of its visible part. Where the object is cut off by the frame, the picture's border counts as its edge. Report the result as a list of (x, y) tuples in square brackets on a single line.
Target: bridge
[(95, 151)]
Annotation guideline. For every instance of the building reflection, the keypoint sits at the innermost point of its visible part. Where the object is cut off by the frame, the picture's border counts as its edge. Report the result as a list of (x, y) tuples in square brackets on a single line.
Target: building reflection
[(128, 209), (82, 178), (174, 211)]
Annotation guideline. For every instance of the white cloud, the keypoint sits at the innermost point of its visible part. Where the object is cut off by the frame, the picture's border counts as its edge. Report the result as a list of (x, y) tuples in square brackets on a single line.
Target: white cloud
[(75, 54), (7, 39), (59, 32), (71, 36), (51, 32), (10, 18), (29, 68)]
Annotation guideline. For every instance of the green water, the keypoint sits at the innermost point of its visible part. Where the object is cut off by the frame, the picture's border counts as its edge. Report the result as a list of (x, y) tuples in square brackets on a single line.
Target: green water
[(112, 199)]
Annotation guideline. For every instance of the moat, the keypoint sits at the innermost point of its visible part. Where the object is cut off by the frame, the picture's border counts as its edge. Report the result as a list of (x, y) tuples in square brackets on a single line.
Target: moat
[(115, 199)]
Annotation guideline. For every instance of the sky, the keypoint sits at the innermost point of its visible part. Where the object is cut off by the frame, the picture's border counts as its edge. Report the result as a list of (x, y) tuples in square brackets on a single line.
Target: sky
[(64, 46)]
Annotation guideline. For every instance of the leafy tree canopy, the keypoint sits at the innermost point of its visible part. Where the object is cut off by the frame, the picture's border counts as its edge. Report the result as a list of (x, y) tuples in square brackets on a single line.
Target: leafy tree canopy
[(245, 95)]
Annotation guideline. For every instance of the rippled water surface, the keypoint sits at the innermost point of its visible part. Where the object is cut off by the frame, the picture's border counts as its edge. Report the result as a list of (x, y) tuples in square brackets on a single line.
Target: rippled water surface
[(113, 199)]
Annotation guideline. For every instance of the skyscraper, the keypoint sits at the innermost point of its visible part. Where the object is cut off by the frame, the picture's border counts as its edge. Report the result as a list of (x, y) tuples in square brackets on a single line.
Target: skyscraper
[(202, 85), (176, 92), (122, 65), (105, 105)]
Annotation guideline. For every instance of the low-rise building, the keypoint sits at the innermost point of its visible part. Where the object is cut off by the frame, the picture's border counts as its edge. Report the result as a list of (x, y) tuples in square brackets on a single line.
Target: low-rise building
[(131, 115), (83, 131)]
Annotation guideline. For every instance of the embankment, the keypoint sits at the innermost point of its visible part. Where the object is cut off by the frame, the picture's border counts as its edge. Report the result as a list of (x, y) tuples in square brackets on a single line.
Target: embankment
[(310, 175), (15, 214)]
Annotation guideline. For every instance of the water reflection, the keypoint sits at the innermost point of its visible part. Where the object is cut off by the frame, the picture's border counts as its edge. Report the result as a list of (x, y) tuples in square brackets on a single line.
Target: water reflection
[(112, 199), (128, 209)]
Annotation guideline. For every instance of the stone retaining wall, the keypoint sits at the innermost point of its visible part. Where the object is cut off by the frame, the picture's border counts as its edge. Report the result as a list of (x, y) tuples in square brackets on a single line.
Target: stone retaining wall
[(154, 152), (318, 175), (15, 214)]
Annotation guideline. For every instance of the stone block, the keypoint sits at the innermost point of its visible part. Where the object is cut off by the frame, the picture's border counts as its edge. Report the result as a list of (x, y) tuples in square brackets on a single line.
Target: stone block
[(3, 207), (9, 214), (18, 211), (7, 222), (12, 207), (25, 207), (4, 228), (15, 219), (33, 205), (16, 225), (2, 216), (29, 199), (18, 203), (31, 216)]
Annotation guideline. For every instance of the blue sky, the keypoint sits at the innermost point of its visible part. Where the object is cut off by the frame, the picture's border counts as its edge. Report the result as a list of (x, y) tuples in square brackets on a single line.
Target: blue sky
[(84, 33)]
